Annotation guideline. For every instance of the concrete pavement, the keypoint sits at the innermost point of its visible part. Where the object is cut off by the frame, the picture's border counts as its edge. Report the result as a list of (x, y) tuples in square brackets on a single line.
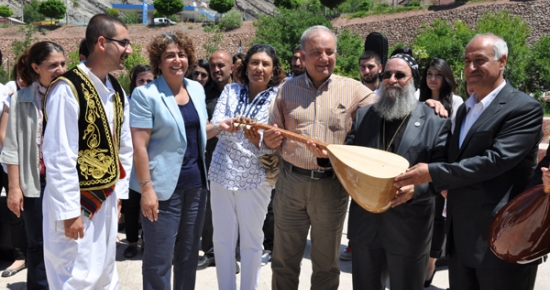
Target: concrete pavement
[(129, 271)]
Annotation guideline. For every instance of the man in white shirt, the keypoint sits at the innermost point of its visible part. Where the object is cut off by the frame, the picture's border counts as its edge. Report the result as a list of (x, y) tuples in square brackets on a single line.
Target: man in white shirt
[(491, 157), (88, 154)]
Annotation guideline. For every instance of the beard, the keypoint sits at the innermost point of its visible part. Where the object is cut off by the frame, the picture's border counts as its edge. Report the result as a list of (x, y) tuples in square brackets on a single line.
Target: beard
[(370, 79), (396, 104)]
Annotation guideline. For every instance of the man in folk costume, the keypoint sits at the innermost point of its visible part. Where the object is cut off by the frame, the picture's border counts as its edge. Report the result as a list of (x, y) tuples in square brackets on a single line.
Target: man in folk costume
[(87, 152)]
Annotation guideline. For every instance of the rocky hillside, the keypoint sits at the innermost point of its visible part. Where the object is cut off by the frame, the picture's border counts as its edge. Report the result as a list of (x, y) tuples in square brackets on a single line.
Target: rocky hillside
[(81, 10)]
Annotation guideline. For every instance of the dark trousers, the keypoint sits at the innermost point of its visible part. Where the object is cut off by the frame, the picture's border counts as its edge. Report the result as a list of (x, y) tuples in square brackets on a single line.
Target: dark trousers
[(269, 225), (504, 276), (132, 209), (207, 243), (17, 226), (174, 239), (36, 270), (438, 233), (372, 264)]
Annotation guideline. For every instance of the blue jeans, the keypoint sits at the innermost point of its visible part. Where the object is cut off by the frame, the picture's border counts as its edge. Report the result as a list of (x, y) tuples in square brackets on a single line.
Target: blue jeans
[(174, 239), (36, 270)]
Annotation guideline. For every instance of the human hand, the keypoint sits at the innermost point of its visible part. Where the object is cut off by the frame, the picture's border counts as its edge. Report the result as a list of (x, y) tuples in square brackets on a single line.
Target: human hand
[(227, 125), (150, 204), (15, 201), (74, 228), (444, 194), (438, 107), (253, 135), (417, 174), (316, 150), (273, 138), (403, 195)]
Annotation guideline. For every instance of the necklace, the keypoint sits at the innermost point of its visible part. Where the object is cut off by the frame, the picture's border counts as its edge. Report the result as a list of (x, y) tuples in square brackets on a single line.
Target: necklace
[(395, 134)]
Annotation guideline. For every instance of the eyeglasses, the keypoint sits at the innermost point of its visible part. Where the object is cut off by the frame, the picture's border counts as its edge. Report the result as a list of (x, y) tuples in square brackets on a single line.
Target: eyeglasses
[(198, 73), (398, 75), (124, 43)]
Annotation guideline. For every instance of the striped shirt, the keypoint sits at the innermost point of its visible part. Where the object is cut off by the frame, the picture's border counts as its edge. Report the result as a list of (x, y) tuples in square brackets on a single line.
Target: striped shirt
[(325, 113)]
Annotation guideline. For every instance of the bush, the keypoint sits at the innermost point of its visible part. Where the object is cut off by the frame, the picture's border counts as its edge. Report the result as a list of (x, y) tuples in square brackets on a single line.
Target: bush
[(231, 20), (440, 39), (414, 4), (350, 48), (131, 18), (113, 12), (73, 59), (124, 80), (135, 58), (284, 28), (539, 66), (30, 12), (514, 30)]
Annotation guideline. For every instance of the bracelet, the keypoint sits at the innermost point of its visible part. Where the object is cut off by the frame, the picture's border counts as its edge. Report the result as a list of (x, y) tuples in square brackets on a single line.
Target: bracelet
[(216, 127), (144, 182)]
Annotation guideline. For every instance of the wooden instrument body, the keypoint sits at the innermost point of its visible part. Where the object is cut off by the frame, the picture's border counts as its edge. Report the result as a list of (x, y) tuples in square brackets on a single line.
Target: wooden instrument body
[(520, 232), (367, 174)]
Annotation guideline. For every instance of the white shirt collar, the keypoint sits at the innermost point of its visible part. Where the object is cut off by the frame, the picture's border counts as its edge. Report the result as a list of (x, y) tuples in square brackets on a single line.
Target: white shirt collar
[(472, 100)]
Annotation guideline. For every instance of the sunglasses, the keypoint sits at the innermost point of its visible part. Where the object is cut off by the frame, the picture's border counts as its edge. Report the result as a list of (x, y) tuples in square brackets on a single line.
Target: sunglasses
[(398, 75), (124, 43), (197, 73)]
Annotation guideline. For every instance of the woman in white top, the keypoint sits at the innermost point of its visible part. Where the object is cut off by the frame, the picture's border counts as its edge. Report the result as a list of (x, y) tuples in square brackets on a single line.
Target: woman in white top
[(37, 67), (239, 191), (438, 83)]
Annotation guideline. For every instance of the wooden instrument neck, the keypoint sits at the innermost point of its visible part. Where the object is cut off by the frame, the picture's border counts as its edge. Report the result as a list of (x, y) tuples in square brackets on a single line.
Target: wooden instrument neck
[(292, 136)]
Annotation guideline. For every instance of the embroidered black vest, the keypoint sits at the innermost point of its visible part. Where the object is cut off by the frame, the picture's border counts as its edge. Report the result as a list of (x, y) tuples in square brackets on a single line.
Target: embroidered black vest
[(98, 164)]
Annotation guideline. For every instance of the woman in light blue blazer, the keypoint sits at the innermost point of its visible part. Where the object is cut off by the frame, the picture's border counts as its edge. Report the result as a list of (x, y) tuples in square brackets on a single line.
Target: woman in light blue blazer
[(169, 131)]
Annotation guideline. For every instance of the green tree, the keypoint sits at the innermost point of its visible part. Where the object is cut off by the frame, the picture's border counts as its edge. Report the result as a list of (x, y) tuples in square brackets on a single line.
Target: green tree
[(113, 12), (5, 11), (331, 4), (313, 6), (514, 30), (288, 4), (350, 48), (30, 12), (54, 9), (539, 66), (221, 6), (168, 7), (284, 28)]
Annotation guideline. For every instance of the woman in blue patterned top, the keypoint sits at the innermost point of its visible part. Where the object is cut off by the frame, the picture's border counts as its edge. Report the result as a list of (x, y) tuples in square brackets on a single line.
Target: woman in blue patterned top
[(239, 190)]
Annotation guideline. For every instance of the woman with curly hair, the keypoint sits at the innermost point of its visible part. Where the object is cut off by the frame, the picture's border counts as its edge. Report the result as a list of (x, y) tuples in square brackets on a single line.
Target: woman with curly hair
[(169, 132)]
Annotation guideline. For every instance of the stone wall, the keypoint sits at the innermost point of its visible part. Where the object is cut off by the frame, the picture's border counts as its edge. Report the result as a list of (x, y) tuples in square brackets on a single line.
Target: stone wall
[(403, 29)]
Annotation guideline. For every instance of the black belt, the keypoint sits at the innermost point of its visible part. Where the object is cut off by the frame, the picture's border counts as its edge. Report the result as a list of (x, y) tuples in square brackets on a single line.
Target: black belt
[(313, 174)]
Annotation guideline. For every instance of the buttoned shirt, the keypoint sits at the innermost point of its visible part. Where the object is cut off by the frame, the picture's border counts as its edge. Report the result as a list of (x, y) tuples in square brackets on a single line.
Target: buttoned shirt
[(60, 146), (475, 108), (325, 113), (235, 163)]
